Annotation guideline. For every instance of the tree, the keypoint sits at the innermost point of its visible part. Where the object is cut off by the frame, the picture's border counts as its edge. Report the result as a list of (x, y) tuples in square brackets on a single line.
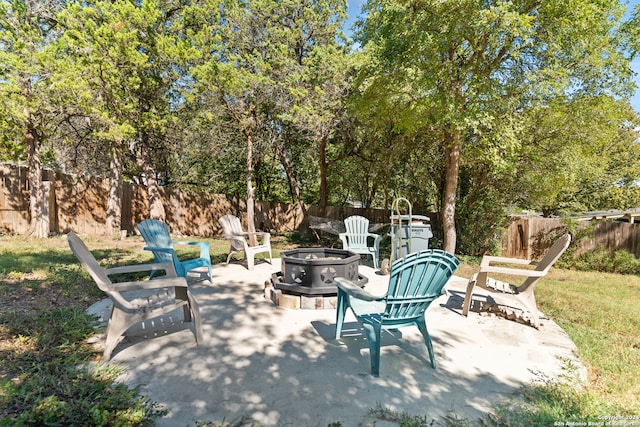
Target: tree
[(126, 58), (585, 146), (458, 68), (314, 78), (232, 40), (274, 66), (26, 27)]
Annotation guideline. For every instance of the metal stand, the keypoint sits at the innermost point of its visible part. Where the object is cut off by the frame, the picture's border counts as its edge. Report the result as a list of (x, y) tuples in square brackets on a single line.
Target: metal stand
[(398, 222)]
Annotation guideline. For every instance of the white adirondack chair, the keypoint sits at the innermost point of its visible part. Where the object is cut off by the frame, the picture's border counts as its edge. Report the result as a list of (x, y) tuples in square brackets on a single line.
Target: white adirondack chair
[(238, 239)]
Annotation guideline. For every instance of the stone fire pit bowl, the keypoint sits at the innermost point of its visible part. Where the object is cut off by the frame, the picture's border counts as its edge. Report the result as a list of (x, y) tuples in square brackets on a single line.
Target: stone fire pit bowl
[(310, 271)]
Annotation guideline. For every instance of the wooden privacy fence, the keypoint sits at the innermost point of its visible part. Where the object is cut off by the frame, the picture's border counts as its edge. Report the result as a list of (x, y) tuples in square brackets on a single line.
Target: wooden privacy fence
[(78, 203), (529, 237)]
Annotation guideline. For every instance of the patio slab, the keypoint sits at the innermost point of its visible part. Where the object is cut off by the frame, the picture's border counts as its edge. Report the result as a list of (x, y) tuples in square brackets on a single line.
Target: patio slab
[(273, 366)]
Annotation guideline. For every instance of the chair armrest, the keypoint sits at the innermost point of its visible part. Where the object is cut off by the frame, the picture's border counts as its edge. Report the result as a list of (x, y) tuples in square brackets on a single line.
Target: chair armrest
[(487, 260), (159, 249), (255, 233), (355, 291), (512, 271), (204, 247), (239, 237), (138, 268), (266, 236), (486, 267), (161, 283), (376, 239), (201, 244)]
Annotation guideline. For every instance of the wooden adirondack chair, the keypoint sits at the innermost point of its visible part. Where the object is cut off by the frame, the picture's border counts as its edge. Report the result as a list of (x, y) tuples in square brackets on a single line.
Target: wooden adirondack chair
[(522, 294), (238, 239), (166, 294), (156, 236), (415, 282), (359, 240)]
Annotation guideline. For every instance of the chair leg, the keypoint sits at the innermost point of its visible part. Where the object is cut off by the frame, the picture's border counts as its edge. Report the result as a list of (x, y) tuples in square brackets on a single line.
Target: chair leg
[(343, 303), (373, 336), (116, 328), (250, 260), (467, 297), (422, 325), (197, 323)]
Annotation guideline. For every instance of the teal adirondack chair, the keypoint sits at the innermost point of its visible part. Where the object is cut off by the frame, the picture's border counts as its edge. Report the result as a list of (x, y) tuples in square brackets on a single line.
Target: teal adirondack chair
[(416, 280), (156, 236), (359, 240)]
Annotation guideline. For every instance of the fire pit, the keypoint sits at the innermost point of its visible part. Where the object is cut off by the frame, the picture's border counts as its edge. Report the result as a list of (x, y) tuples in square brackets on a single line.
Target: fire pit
[(309, 273)]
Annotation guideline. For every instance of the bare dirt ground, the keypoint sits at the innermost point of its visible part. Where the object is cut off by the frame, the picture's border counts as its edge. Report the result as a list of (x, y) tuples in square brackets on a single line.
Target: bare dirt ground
[(34, 291)]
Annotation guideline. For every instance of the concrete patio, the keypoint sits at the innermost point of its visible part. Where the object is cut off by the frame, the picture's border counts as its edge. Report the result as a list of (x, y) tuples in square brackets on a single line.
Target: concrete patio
[(273, 366)]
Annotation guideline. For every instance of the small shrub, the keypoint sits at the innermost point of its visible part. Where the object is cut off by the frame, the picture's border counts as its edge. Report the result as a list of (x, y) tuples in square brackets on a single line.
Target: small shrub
[(621, 262)]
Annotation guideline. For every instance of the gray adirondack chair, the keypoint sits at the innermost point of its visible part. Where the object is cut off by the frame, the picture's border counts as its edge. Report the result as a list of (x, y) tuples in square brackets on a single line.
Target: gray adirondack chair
[(523, 293), (232, 230), (359, 240), (158, 239), (165, 295), (416, 280)]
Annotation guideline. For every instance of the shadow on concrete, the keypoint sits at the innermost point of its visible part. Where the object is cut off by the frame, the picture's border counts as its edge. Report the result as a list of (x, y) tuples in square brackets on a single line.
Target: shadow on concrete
[(274, 367)]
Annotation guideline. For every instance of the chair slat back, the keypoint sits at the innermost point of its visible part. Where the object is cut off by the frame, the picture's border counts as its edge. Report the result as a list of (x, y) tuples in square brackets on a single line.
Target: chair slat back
[(231, 225), (416, 280), (357, 228), (156, 234), (89, 262)]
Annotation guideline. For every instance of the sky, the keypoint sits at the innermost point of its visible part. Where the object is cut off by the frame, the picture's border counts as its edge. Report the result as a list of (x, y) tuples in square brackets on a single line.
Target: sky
[(355, 6)]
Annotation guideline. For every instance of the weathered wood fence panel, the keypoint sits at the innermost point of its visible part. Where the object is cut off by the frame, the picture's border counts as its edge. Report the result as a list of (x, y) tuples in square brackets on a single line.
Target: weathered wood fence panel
[(529, 237), (612, 236), (78, 203), (14, 201)]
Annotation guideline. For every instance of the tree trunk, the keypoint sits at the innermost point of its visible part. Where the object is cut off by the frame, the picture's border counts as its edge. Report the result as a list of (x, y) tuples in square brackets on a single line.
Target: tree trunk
[(452, 158), (251, 223), (293, 184), (156, 208), (114, 202), (39, 222), (323, 176)]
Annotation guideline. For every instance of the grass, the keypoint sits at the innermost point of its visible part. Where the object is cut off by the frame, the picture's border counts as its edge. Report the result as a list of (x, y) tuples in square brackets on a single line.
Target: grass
[(46, 380), (600, 312), (49, 375)]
